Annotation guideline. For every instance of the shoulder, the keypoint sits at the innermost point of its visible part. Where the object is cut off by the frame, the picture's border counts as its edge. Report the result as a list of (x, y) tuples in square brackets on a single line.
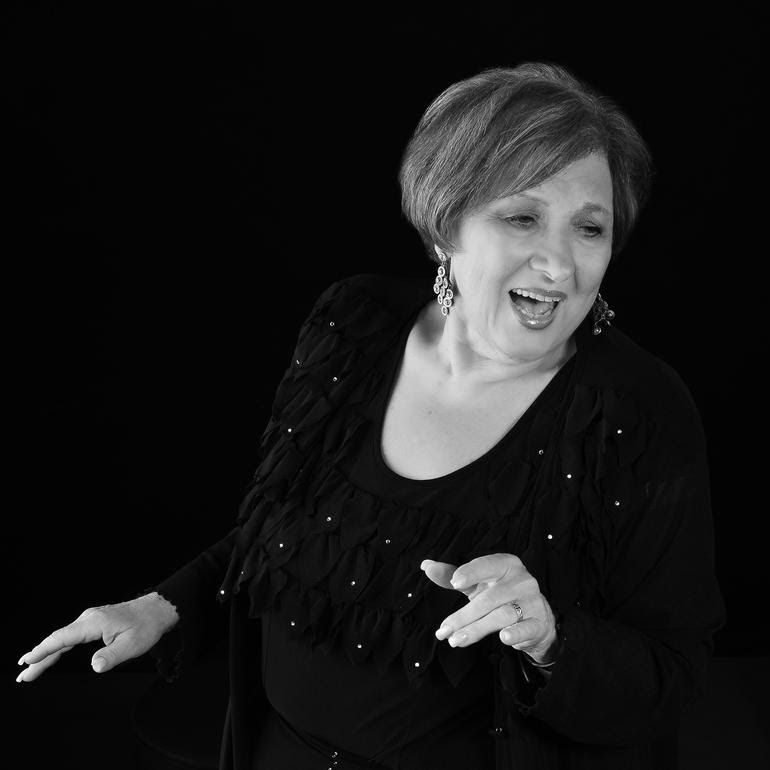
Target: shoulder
[(384, 297), (359, 315), (614, 363), (390, 291)]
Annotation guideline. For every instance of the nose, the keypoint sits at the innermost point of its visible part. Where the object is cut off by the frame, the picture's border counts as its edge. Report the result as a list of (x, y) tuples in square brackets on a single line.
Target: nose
[(553, 258)]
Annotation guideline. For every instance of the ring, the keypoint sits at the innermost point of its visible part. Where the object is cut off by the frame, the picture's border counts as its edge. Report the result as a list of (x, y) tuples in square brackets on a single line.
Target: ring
[(519, 611)]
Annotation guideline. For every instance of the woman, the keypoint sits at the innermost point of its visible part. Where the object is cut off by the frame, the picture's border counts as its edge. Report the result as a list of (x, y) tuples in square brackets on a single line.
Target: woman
[(479, 534)]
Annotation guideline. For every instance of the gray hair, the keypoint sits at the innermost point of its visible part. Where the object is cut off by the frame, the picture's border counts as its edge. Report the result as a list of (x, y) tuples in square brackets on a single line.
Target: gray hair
[(504, 131)]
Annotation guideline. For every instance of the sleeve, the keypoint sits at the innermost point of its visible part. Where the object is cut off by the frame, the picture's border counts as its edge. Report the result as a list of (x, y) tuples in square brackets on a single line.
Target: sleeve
[(202, 621), (622, 678), (193, 588)]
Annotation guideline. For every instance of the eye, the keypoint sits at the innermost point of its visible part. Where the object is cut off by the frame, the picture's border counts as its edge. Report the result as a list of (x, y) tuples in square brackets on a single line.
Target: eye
[(524, 221), (591, 230)]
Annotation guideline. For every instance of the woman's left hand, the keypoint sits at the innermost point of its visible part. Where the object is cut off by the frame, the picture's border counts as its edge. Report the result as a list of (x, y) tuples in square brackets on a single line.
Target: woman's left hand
[(491, 583)]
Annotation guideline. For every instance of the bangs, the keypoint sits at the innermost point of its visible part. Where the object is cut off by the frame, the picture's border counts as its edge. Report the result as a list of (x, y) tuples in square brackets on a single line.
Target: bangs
[(519, 163)]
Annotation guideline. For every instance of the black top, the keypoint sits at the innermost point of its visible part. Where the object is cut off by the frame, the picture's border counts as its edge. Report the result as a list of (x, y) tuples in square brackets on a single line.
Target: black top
[(326, 701), (603, 493)]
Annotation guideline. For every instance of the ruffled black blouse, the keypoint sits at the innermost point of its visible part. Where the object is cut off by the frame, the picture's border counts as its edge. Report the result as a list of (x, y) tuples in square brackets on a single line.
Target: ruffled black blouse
[(601, 488), (356, 691)]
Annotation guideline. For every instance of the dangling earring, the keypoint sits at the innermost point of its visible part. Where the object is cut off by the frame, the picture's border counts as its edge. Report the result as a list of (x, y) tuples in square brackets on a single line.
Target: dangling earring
[(601, 314), (441, 286)]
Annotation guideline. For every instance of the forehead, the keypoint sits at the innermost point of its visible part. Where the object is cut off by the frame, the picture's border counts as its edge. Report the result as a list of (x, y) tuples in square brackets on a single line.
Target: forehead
[(586, 183), (592, 172)]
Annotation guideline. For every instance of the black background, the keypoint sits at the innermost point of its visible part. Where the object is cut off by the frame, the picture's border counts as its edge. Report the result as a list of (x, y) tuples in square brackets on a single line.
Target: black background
[(183, 183)]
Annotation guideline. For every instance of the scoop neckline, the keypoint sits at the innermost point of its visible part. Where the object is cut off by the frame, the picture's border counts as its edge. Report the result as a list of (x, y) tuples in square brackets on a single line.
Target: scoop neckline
[(485, 457)]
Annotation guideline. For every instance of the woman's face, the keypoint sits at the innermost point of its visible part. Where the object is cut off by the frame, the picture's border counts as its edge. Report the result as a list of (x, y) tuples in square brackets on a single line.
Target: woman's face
[(552, 241)]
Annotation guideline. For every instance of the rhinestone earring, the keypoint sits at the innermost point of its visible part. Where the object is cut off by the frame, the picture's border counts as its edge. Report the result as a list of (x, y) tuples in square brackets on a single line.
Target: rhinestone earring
[(601, 313), (442, 287)]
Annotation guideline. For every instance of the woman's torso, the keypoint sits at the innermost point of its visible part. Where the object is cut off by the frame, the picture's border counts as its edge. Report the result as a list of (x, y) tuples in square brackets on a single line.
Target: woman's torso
[(325, 702)]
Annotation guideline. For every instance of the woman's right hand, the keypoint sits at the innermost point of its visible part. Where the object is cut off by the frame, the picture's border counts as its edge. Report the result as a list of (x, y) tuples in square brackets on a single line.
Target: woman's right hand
[(128, 629)]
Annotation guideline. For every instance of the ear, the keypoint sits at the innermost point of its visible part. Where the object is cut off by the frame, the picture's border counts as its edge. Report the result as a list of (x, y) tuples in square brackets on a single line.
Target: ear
[(439, 252)]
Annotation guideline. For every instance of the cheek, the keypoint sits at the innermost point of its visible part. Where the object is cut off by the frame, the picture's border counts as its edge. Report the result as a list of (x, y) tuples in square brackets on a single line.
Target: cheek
[(589, 276), (477, 278)]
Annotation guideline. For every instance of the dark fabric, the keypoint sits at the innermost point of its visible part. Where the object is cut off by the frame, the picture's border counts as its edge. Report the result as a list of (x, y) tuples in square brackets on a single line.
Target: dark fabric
[(339, 697), (613, 521)]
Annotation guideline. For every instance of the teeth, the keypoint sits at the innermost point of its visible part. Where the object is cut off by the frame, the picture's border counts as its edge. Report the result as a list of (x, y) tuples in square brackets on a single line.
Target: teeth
[(533, 295)]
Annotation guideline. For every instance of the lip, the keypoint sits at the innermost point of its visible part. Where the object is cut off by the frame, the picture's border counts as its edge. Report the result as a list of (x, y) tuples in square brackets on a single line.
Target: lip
[(560, 295), (531, 322)]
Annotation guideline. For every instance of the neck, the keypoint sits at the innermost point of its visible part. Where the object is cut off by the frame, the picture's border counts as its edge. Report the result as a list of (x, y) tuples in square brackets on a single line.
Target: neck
[(468, 362)]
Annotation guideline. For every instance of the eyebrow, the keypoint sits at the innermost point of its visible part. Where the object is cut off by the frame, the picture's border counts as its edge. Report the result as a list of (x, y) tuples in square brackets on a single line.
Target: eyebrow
[(589, 207)]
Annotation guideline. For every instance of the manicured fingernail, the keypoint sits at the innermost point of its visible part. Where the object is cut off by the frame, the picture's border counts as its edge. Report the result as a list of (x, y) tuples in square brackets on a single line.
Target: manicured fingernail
[(21, 659), (457, 639), (99, 664), (443, 632), (457, 582), (19, 677), (506, 636)]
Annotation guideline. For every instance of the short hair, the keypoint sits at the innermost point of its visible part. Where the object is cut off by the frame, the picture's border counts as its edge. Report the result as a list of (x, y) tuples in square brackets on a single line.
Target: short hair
[(506, 130)]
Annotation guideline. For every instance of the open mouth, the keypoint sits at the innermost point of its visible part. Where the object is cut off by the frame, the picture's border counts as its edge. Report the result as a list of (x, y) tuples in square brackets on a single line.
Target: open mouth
[(535, 308)]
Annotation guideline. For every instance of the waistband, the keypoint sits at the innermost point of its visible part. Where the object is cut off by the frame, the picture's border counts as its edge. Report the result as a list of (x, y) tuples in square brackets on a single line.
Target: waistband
[(339, 759)]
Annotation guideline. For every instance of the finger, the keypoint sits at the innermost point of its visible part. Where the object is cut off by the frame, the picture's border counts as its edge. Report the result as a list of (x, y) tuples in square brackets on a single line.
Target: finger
[(122, 648), (491, 602), (439, 572), (526, 591), (523, 634), (486, 569), (34, 670), (85, 629)]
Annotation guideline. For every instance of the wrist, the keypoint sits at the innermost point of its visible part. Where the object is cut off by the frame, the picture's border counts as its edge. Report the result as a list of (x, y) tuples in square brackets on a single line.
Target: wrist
[(164, 610)]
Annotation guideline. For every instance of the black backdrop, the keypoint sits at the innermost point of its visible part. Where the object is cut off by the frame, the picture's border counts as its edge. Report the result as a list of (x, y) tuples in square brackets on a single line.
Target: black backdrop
[(183, 185)]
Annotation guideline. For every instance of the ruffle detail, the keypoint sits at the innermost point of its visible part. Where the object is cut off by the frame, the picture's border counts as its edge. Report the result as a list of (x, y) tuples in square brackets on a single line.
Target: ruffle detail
[(593, 482), (345, 568), (300, 542), (341, 564)]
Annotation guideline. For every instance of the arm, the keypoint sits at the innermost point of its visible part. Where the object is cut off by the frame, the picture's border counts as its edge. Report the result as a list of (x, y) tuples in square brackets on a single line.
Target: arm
[(624, 677), (192, 590)]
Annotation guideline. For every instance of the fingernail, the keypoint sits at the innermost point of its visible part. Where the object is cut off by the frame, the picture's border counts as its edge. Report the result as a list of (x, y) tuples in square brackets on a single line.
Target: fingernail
[(457, 582), (443, 632), (457, 639), (506, 636), (99, 664), (19, 677), (21, 659)]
